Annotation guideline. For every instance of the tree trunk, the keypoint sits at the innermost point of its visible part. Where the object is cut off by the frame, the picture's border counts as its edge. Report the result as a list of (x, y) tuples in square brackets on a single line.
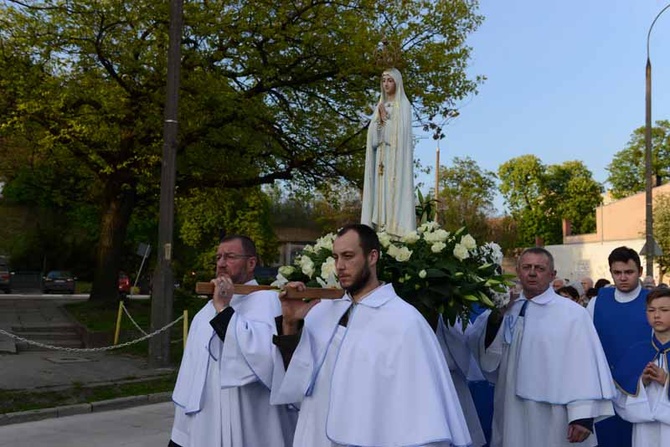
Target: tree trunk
[(118, 204)]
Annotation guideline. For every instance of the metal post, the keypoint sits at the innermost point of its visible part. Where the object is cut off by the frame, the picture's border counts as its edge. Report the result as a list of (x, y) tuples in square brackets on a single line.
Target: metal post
[(649, 210), (163, 290), (437, 183)]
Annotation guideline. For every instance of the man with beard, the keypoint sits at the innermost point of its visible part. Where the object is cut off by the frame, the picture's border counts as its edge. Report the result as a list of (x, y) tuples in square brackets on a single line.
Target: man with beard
[(365, 369), (222, 394)]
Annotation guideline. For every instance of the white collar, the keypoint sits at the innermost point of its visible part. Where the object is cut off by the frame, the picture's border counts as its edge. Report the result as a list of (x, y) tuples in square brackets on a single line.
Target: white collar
[(627, 297)]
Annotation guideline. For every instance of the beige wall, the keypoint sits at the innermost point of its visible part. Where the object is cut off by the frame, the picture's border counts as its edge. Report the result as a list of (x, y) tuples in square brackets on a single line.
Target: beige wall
[(620, 220), (589, 259)]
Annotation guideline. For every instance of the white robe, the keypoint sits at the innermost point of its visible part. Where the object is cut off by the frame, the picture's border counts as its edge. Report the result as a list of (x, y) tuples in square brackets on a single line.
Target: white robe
[(649, 412), (461, 363), (381, 381), (388, 188), (222, 395), (549, 369)]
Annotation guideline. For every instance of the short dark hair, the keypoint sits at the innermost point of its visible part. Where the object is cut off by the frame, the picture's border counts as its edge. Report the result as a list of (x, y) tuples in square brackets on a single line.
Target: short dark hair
[(368, 238), (248, 246), (574, 294), (658, 292), (624, 254), (538, 251), (602, 282)]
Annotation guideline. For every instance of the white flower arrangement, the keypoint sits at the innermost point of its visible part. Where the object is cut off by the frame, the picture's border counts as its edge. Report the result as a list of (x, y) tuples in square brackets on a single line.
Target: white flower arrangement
[(434, 270)]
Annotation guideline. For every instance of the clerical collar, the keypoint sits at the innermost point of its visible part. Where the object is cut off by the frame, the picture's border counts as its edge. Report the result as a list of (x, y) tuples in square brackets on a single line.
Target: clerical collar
[(626, 297)]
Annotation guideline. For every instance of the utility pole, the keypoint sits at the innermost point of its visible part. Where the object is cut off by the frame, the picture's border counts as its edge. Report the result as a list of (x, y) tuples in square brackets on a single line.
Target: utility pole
[(163, 289), (649, 207)]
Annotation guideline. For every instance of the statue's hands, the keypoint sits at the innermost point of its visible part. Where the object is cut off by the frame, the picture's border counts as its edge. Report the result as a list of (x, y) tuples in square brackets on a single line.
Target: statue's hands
[(294, 310), (382, 112)]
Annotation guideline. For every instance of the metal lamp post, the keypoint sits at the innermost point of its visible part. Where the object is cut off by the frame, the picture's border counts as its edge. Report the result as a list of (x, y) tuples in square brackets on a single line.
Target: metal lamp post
[(649, 227)]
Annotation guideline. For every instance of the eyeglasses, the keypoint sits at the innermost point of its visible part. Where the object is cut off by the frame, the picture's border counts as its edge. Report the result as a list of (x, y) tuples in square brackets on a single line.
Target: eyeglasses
[(231, 257)]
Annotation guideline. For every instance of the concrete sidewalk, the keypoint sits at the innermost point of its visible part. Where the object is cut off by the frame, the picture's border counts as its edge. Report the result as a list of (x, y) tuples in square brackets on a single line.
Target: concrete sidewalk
[(53, 369)]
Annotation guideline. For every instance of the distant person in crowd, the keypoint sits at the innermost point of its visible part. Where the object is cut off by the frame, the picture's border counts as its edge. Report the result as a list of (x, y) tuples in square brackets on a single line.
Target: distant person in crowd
[(586, 283), (222, 394), (569, 292), (558, 283), (366, 369), (619, 315), (643, 382), (542, 399), (602, 282), (648, 282), (589, 295)]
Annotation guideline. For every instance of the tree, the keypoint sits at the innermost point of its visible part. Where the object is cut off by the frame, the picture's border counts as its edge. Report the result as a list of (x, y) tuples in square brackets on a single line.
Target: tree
[(466, 196), (627, 169), (271, 90), (540, 196), (662, 232)]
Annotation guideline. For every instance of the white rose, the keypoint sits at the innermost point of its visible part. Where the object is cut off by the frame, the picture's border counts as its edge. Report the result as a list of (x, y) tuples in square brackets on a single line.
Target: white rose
[(411, 237), (384, 239), (460, 252), (437, 247), (436, 236), (308, 249), (468, 242), (428, 227), (328, 268), (422, 274), (286, 270), (325, 242), (307, 265), (403, 254), (392, 250)]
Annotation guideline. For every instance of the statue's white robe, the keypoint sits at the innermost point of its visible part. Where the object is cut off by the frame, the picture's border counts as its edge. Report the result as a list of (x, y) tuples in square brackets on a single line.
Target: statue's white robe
[(388, 181)]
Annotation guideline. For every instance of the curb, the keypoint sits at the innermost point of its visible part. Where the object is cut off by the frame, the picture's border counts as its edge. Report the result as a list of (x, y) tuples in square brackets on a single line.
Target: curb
[(93, 407)]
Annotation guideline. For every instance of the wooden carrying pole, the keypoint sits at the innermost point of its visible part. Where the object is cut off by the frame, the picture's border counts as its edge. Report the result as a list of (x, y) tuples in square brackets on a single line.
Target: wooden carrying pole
[(207, 288)]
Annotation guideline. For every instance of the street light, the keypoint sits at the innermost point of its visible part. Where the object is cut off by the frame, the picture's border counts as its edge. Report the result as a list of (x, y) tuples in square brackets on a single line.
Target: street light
[(649, 229)]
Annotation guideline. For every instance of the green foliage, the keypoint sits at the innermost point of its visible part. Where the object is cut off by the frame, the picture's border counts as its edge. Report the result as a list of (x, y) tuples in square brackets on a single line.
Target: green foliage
[(540, 196), (466, 196), (270, 90), (208, 214), (627, 169)]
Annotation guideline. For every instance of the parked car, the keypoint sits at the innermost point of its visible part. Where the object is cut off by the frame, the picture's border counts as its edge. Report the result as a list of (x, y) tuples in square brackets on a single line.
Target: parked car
[(59, 281), (5, 278), (124, 285)]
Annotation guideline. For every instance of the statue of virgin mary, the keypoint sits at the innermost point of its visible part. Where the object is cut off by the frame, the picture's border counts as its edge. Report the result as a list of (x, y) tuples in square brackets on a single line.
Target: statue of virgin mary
[(388, 188)]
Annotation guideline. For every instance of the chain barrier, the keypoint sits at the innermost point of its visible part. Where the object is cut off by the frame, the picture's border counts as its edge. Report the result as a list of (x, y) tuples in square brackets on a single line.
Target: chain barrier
[(132, 319), (102, 349)]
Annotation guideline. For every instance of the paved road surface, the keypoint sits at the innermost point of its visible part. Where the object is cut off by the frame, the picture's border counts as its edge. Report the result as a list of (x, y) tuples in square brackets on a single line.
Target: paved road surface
[(144, 426)]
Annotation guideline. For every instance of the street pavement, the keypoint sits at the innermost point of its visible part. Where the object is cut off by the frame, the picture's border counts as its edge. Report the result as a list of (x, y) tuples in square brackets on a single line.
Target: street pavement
[(143, 426)]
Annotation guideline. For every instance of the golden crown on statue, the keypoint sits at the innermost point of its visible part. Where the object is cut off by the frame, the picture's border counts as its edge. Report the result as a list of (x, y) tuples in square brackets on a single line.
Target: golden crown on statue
[(388, 54)]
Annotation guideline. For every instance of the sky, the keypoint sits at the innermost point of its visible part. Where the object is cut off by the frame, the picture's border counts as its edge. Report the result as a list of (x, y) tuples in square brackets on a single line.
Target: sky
[(565, 81)]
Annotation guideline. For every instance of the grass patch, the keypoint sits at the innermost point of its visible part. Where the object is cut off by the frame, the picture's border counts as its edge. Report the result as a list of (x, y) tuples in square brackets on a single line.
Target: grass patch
[(21, 400)]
